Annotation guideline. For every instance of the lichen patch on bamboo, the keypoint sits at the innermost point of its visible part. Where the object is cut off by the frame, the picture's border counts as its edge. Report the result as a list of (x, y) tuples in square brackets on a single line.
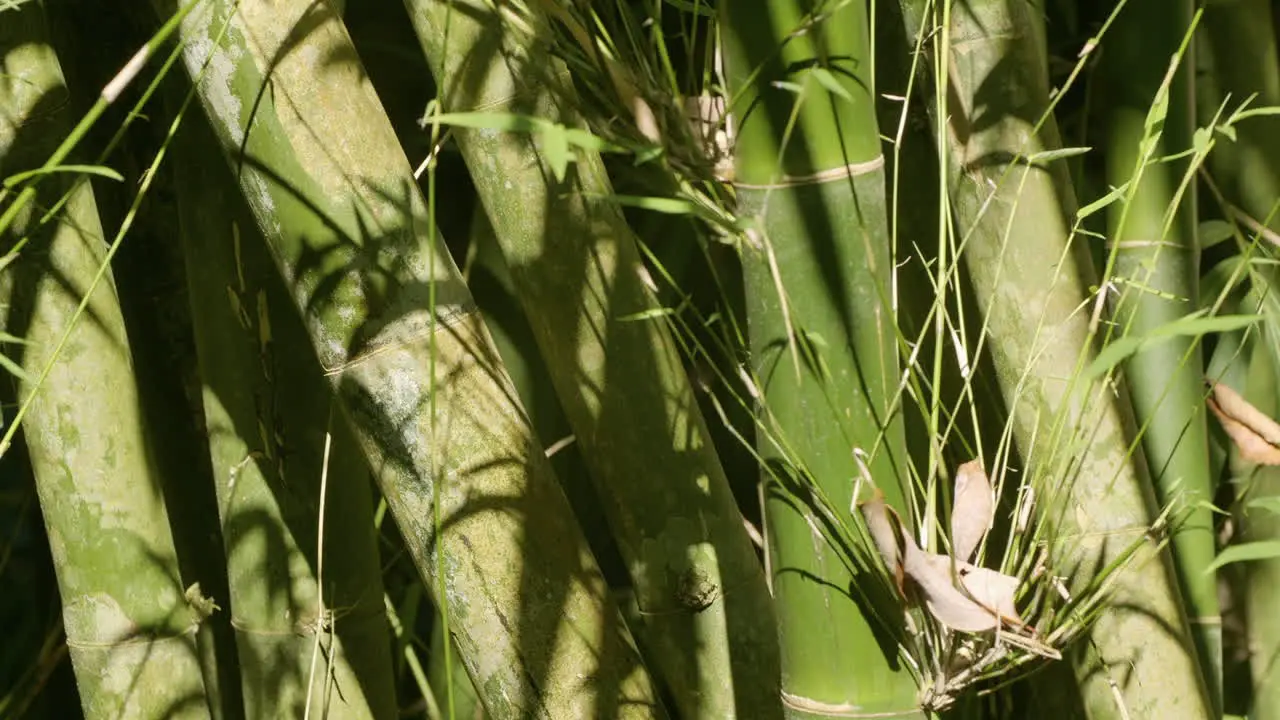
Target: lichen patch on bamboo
[(313, 69), (200, 32)]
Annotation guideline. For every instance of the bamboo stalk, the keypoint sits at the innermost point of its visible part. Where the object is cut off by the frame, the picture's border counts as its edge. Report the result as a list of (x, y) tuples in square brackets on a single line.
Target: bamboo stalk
[(821, 331), (576, 269), (1240, 45), (397, 333), (1238, 52), (129, 622), (1030, 276), (1152, 231), (267, 409), (1259, 524)]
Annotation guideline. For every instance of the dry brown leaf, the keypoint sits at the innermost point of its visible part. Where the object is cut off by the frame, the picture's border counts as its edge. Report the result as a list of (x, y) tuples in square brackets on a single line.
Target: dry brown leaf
[(886, 531), (971, 513), (1254, 434), (982, 599), (1230, 402), (991, 589), (954, 608)]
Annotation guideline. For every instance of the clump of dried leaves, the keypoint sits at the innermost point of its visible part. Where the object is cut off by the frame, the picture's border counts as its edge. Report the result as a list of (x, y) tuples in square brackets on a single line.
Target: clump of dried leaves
[(976, 629)]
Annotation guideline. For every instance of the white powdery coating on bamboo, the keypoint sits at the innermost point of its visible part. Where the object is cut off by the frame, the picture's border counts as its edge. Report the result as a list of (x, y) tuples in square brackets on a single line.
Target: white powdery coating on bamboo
[(200, 32), (258, 194)]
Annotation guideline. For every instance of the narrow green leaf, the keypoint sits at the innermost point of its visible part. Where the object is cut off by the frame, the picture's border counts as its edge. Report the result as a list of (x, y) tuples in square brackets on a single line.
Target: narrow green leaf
[(1260, 550), (1192, 324), (19, 178), (1044, 157), (14, 369), (517, 123), (555, 144), (508, 122), (829, 81), (1102, 202), (667, 206), (1213, 232), (1256, 112), (1269, 504), (647, 314)]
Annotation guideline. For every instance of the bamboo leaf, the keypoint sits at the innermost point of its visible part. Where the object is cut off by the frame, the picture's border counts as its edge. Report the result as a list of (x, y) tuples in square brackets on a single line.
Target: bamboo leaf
[(666, 206), (1259, 550), (14, 369), (1256, 112), (1044, 157), (1213, 232), (556, 148), (1254, 434), (1192, 324), (971, 515), (1102, 202), (991, 589), (983, 599), (1233, 404), (830, 83), (885, 529), (507, 122), (987, 599), (1269, 504), (98, 170)]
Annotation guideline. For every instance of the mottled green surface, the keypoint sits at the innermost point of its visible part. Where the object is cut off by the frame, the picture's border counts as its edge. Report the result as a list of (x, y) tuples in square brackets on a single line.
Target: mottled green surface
[(1238, 49), (1237, 58), (1262, 577), (432, 409), (1161, 263), (575, 266), (129, 627), (828, 386), (267, 408)]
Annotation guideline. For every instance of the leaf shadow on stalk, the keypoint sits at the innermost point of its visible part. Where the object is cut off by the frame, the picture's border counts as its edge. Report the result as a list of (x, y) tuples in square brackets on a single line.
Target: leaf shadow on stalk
[(31, 145), (836, 270), (631, 397), (290, 389), (30, 277), (866, 588), (395, 293), (277, 403), (1120, 670)]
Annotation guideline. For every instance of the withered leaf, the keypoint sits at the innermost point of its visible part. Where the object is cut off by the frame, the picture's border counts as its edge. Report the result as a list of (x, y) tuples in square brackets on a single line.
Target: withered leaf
[(966, 598), (1254, 434), (985, 602), (971, 513), (993, 590), (886, 532)]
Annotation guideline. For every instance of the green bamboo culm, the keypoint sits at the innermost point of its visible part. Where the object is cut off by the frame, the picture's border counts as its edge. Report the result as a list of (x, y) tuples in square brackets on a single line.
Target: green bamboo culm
[(1030, 275), (397, 333), (130, 623), (809, 170), (267, 411), (1156, 260), (1262, 524), (576, 269), (1239, 49)]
